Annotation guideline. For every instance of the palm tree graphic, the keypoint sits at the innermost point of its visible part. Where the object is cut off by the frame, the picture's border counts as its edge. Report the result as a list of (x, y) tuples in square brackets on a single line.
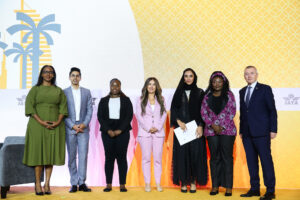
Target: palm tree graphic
[(35, 30), (20, 51), (2, 44)]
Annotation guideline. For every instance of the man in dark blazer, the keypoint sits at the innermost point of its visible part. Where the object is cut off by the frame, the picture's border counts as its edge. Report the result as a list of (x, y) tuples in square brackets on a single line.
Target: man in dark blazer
[(258, 125)]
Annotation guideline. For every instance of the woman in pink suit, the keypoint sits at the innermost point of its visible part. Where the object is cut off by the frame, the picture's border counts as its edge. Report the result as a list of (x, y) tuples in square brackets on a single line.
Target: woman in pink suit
[(151, 115)]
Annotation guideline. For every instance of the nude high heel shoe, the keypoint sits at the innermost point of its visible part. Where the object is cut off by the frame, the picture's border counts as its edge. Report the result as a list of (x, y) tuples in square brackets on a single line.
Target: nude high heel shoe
[(158, 187), (147, 187)]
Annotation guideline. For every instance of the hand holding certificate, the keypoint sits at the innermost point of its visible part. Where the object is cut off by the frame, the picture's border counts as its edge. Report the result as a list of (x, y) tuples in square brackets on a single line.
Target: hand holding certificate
[(188, 135)]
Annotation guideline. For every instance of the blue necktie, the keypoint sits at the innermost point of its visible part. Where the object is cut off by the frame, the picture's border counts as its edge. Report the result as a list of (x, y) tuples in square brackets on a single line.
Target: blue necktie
[(248, 95)]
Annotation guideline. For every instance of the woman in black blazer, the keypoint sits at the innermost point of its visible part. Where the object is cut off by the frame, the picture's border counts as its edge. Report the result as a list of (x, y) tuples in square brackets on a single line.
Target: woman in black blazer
[(114, 115)]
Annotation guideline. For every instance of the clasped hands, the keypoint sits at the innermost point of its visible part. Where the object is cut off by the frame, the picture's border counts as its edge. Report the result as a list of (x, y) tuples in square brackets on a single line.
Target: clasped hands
[(79, 128), (114, 133), (217, 129), (49, 124), (153, 130)]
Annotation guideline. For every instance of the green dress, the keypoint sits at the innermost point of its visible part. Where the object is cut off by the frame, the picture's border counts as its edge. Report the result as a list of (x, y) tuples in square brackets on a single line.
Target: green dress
[(44, 146)]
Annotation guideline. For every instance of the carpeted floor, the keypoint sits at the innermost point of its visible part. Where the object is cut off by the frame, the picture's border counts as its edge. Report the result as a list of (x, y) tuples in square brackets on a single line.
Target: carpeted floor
[(137, 193)]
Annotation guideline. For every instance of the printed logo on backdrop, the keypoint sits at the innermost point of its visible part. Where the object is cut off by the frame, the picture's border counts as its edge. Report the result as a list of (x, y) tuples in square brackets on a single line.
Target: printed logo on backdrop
[(33, 51), (21, 100), (291, 100)]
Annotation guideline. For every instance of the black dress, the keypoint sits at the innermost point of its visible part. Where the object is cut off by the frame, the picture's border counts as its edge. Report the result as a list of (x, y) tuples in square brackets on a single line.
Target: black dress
[(189, 160)]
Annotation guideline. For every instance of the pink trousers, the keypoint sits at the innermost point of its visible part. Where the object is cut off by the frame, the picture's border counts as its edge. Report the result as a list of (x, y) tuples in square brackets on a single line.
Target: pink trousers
[(148, 145)]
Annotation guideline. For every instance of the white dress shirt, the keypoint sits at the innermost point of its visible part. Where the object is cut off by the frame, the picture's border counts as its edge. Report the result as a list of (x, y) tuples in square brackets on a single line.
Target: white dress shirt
[(77, 102), (114, 106), (251, 91)]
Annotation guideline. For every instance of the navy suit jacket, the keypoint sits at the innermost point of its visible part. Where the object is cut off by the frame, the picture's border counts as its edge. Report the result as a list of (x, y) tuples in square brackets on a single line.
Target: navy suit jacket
[(261, 116)]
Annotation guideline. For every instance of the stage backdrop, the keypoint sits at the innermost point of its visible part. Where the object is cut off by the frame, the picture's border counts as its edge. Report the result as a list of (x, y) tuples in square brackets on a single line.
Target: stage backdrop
[(132, 40)]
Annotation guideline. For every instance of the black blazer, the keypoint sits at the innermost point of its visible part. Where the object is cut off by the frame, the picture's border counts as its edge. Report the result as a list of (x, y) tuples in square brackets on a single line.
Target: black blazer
[(261, 115), (126, 114)]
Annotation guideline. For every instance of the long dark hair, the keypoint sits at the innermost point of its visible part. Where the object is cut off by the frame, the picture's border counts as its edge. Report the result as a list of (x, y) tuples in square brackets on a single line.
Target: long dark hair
[(145, 94), (225, 88), (40, 80), (111, 81)]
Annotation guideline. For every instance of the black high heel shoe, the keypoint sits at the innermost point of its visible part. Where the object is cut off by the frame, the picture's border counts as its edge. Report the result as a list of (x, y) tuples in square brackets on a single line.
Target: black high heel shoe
[(123, 188), (228, 192), (214, 192), (48, 192), (38, 193), (193, 191), (107, 189), (183, 190)]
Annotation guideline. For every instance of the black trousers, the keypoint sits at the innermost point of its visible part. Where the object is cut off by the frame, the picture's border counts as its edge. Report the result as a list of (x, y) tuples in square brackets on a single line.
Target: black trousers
[(116, 148), (221, 160)]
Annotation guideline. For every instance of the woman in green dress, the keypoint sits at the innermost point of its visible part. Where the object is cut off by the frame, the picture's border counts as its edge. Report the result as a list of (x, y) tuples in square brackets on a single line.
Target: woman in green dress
[(46, 105)]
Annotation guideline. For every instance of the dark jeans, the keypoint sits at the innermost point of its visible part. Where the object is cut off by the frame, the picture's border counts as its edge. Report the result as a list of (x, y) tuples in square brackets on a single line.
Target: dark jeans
[(116, 148), (221, 160)]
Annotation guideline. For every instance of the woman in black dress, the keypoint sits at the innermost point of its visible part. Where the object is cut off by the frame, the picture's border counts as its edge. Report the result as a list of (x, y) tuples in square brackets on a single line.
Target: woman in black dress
[(190, 159), (114, 115)]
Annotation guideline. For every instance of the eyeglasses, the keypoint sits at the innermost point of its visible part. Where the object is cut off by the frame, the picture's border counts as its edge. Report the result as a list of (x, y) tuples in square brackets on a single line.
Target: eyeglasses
[(48, 72), (75, 76)]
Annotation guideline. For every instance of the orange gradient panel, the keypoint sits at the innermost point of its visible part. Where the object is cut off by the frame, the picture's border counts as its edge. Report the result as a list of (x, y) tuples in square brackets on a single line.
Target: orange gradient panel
[(285, 148)]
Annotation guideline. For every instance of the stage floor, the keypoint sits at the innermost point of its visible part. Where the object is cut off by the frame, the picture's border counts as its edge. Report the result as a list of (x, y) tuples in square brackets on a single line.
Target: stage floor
[(137, 193)]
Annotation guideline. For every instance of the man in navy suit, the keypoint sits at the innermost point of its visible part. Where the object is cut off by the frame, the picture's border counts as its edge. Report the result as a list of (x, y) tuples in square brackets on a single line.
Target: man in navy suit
[(77, 129), (258, 125)]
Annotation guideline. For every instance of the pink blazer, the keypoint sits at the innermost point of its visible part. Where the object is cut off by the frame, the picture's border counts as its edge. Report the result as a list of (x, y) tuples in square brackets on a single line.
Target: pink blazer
[(150, 119)]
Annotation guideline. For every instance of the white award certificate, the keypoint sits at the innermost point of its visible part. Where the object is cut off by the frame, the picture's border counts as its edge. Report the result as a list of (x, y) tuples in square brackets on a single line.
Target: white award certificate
[(188, 135)]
